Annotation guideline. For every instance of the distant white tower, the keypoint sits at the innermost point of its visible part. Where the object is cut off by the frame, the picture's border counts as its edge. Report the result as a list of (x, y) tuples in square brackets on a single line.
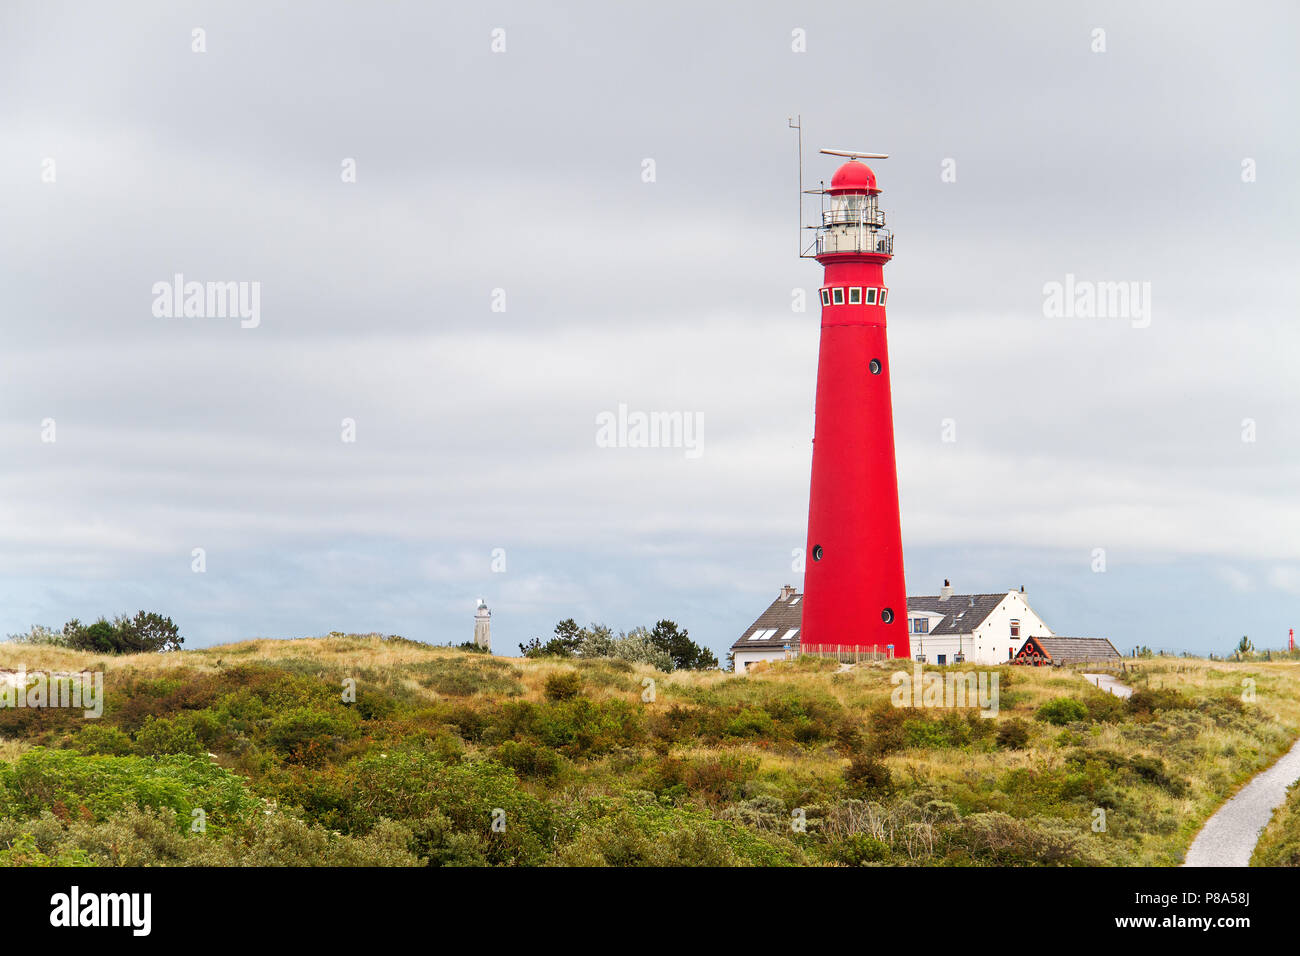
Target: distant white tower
[(483, 626)]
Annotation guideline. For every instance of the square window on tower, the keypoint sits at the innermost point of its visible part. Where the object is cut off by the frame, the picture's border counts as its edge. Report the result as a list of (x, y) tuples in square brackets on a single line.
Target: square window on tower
[(871, 297), (826, 296), (837, 296), (855, 295)]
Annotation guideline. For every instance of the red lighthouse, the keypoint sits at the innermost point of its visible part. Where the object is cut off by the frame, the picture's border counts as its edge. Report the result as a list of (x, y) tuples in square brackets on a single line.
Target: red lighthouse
[(853, 574)]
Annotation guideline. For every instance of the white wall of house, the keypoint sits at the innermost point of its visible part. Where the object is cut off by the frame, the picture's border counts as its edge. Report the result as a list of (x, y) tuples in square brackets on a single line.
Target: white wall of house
[(746, 657), (990, 643), (994, 643), (942, 649)]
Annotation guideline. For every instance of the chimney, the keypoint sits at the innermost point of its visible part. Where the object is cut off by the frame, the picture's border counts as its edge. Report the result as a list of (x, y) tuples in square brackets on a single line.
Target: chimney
[(483, 626), (787, 592), (946, 591), (1022, 589)]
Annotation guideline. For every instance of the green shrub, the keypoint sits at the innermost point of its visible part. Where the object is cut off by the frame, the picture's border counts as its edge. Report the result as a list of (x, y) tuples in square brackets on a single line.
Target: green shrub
[(858, 849), (528, 759), (100, 738), (563, 685), (309, 736), (1061, 711), (751, 722), (166, 736), (82, 786)]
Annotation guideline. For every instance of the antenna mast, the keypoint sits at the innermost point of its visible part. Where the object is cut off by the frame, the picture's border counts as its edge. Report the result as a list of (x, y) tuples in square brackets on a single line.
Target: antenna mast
[(796, 123)]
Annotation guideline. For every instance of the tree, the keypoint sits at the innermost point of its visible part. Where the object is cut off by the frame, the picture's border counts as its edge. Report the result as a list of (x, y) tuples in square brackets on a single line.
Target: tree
[(1244, 646), (146, 632), (568, 638), (685, 653)]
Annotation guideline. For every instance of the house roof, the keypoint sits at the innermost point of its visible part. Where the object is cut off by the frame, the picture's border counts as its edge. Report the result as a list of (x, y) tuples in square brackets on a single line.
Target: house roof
[(962, 613), (1066, 650), (782, 616)]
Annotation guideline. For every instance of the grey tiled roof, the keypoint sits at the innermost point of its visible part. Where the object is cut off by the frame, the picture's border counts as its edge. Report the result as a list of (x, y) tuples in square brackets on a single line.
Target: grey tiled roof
[(781, 615), (1065, 650), (962, 614)]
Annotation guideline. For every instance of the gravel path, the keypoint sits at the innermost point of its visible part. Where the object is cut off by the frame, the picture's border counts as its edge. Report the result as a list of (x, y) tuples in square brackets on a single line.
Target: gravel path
[(1229, 837), (1109, 683)]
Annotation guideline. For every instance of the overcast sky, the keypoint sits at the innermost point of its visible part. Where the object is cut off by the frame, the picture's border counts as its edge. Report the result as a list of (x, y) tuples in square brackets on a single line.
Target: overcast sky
[(523, 171)]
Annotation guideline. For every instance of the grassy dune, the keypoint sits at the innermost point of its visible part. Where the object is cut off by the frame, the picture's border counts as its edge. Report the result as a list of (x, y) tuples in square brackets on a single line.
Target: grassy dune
[(367, 750)]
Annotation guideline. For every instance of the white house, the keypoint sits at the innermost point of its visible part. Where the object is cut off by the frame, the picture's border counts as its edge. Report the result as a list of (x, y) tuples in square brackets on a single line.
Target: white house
[(946, 628), (774, 636)]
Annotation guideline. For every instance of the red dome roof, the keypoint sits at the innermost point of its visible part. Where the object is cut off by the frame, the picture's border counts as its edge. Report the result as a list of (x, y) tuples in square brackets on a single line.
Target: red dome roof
[(854, 176)]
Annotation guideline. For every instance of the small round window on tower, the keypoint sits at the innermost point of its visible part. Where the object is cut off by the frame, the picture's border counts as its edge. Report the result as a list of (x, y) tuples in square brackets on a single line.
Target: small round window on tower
[(817, 552), (874, 366), (887, 615)]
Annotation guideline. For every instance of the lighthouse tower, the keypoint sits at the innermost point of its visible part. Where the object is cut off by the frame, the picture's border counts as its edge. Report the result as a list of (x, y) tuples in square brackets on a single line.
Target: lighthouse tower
[(483, 626), (854, 594)]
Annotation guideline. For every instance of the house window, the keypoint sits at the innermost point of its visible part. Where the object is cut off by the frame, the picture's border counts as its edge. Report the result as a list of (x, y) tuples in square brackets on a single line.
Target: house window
[(837, 296), (1015, 628), (871, 297), (789, 635), (826, 296), (855, 295), (941, 659), (794, 600), (920, 625)]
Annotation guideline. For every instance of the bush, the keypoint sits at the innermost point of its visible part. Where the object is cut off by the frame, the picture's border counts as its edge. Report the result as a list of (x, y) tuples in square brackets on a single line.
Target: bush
[(98, 738), (857, 849), (124, 635), (308, 736), (868, 778), (751, 722), (82, 786), (563, 685), (1148, 701), (527, 759), (166, 736), (1062, 711), (1013, 734)]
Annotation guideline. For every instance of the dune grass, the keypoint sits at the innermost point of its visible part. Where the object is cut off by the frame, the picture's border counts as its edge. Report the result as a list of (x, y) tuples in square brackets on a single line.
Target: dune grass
[(372, 748)]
